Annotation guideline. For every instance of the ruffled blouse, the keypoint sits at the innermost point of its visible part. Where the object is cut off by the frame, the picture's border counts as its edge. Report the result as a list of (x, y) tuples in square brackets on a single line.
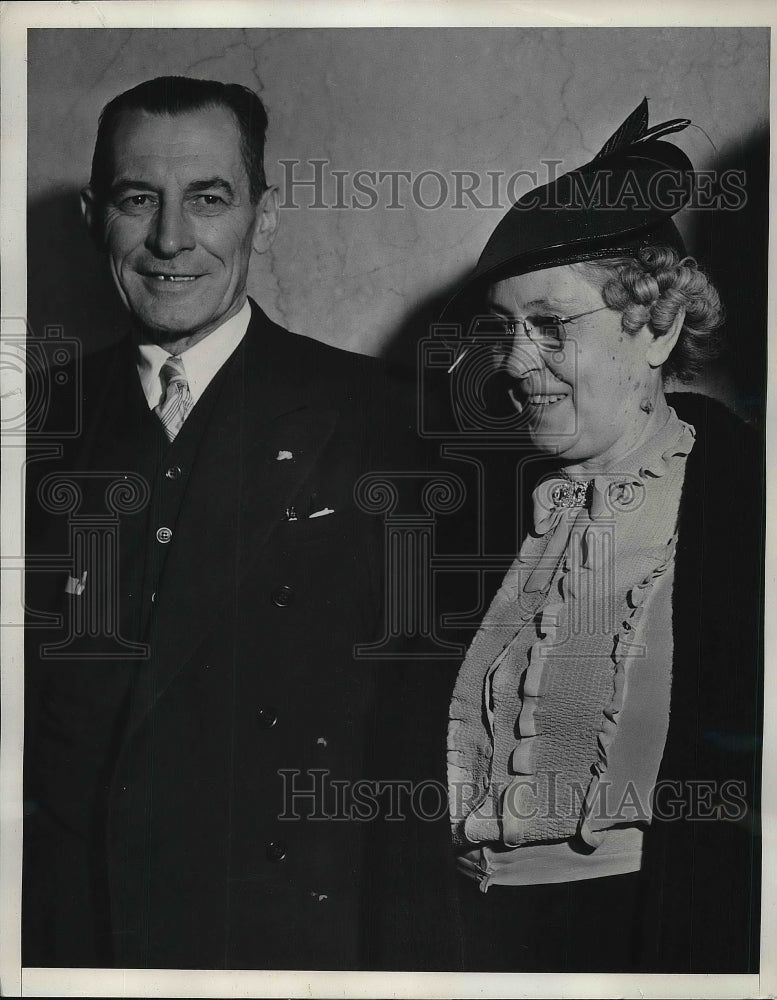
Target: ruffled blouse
[(560, 710)]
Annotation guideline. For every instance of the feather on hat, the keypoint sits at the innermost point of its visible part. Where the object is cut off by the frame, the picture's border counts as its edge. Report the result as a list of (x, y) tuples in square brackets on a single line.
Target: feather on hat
[(622, 199)]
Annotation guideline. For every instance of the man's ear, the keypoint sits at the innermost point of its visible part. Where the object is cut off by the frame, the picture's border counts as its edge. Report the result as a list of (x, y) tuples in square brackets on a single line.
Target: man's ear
[(660, 348), (90, 213), (267, 220)]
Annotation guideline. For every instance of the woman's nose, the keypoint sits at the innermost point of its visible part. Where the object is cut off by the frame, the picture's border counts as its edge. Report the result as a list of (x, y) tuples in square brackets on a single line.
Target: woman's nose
[(523, 356)]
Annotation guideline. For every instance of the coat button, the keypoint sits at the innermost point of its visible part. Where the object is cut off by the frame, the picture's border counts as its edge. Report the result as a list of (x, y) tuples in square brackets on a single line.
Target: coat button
[(283, 596), (163, 535), (266, 717), (276, 850), (174, 472)]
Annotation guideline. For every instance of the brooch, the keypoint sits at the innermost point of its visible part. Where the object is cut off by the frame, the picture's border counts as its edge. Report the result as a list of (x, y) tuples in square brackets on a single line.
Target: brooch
[(571, 494)]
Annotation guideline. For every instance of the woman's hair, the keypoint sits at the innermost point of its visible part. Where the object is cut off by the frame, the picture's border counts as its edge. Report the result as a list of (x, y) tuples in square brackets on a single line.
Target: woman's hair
[(649, 288)]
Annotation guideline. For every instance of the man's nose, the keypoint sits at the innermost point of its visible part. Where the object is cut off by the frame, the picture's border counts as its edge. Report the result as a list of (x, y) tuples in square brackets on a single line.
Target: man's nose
[(171, 231)]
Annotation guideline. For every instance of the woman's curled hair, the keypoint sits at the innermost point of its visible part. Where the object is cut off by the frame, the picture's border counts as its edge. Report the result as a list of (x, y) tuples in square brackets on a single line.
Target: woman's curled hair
[(650, 288)]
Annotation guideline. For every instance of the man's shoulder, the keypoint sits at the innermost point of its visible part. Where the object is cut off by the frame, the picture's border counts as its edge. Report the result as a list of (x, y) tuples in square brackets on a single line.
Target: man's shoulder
[(328, 359), (62, 393), (309, 350), (116, 356), (290, 347), (320, 372)]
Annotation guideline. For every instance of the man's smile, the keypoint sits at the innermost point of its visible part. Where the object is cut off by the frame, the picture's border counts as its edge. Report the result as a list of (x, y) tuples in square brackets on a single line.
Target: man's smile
[(169, 275), (169, 281)]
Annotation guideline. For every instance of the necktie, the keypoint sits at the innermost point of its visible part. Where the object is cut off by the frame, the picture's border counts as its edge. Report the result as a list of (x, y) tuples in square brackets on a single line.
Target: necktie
[(174, 408)]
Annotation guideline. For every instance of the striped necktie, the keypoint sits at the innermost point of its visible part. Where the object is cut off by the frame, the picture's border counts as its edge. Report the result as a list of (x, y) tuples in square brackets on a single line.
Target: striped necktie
[(174, 408)]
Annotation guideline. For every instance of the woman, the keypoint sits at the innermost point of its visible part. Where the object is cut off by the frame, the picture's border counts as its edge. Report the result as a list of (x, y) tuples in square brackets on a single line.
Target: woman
[(604, 725)]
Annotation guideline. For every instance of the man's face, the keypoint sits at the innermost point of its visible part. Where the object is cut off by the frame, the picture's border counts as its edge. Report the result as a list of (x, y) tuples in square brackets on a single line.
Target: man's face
[(178, 224)]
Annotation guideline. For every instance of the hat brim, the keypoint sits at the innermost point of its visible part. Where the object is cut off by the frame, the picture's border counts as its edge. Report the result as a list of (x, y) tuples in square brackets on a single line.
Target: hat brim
[(577, 217)]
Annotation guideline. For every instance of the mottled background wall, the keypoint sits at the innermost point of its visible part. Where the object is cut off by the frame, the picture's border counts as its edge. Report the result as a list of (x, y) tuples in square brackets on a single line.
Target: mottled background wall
[(447, 100)]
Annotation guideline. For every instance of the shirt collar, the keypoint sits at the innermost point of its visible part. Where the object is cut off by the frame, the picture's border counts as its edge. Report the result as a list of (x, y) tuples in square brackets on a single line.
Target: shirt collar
[(201, 362)]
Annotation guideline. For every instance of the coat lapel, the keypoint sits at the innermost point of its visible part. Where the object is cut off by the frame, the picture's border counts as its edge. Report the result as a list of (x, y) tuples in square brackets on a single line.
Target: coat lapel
[(237, 495)]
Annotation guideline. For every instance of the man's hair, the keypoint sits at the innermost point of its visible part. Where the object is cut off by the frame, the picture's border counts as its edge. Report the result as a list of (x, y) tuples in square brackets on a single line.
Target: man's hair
[(175, 95)]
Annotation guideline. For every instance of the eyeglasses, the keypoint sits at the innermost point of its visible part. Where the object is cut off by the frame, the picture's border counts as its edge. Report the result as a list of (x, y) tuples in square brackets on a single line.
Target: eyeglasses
[(547, 332)]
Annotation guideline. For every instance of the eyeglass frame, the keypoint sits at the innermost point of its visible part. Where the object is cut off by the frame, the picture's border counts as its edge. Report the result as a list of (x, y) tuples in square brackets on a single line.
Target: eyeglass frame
[(528, 328)]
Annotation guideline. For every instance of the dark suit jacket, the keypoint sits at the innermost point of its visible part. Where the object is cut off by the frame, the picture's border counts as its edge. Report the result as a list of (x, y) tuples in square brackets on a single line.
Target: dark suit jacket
[(159, 785)]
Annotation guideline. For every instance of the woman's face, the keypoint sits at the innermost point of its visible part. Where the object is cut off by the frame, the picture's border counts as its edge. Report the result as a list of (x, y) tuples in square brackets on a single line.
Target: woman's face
[(586, 401)]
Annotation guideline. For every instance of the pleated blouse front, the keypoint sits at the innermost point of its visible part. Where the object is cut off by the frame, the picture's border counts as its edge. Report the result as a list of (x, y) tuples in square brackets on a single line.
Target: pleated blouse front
[(561, 707)]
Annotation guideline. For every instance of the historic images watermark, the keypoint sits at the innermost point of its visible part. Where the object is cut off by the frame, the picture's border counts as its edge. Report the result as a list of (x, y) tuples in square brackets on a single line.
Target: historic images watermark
[(41, 377), (315, 794), (317, 184), (42, 390)]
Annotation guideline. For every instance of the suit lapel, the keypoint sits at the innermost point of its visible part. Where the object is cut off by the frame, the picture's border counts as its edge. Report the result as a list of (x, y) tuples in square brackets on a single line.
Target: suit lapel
[(119, 424), (236, 497), (120, 441)]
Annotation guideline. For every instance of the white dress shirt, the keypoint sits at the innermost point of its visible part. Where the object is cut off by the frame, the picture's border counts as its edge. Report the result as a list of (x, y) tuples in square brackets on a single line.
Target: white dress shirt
[(201, 362)]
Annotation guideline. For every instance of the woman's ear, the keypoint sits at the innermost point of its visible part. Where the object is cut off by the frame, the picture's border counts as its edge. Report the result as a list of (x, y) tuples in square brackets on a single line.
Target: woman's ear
[(661, 347)]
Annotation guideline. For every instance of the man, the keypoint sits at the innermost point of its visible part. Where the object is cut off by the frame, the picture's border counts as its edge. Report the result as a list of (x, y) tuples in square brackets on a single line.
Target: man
[(204, 656)]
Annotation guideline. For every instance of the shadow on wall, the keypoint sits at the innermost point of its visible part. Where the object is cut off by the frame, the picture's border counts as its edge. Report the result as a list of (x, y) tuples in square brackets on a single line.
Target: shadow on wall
[(68, 283), (732, 246), (419, 322)]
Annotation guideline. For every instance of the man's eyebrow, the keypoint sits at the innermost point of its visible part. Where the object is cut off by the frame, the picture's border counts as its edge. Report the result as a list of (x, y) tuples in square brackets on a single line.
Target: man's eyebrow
[(213, 183), (124, 184)]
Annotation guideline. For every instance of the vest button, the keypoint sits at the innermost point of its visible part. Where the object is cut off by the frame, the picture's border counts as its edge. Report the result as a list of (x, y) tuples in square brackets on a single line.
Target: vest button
[(174, 472), (163, 535), (266, 716), (283, 596), (276, 850)]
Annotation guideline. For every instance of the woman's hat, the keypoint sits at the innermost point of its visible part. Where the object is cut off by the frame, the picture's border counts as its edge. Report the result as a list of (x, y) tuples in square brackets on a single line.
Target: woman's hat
[(622, 199)]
